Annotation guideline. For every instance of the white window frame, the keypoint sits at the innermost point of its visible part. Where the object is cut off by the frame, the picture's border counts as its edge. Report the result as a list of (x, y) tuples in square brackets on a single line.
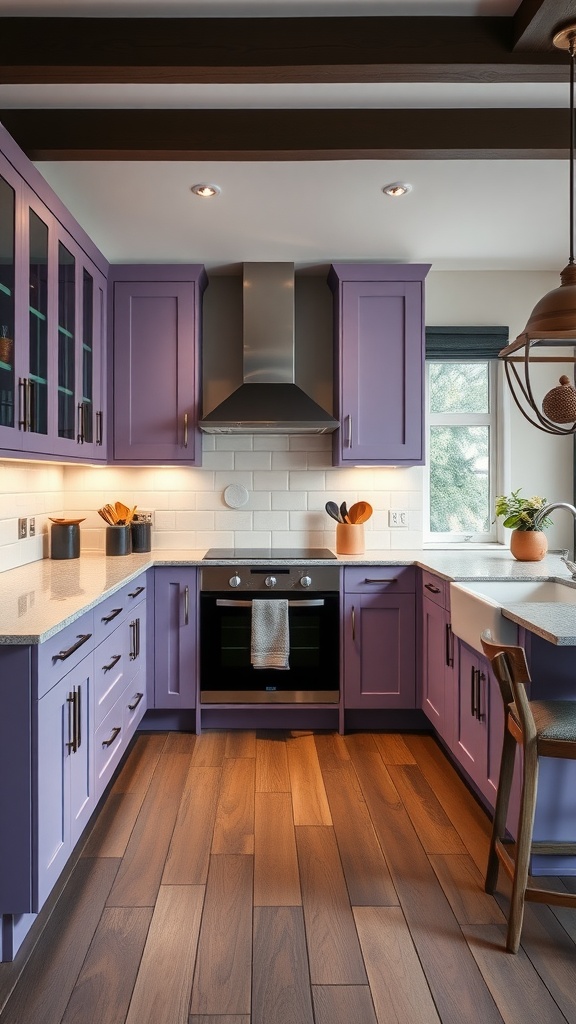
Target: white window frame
[(492, 419)]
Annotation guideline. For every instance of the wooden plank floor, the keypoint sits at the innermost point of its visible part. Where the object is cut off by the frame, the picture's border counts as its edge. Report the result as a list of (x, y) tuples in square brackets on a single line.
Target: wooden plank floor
[(290, 878)]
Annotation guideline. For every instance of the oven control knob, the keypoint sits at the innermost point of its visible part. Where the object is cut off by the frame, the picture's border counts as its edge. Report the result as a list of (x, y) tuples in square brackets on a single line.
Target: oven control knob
[(235, 581), (306, 581), (270, 581)]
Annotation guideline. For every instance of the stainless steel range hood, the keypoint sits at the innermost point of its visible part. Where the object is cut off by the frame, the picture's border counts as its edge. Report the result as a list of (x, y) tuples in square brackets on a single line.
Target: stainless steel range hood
[(269, 401)]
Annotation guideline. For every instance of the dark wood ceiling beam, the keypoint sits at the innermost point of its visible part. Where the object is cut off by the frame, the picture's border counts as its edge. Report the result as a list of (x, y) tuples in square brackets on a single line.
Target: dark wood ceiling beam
[(536, 21), (289, 134), (172, 50)]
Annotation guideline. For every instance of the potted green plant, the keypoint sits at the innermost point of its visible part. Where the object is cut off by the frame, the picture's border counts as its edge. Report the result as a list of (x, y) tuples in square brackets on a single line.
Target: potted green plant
[(528, 542)]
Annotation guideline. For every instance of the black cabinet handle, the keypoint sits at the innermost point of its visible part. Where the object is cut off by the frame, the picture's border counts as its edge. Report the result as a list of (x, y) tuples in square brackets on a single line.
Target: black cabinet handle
[(479, 713), (115, 660), (82, 638), (135, 639), (449, 645), (137, 591), (99, 427), (394, 579), (113, 614), (473, 692), (137, 699), (432, 588), (78, 709), (112, 737)]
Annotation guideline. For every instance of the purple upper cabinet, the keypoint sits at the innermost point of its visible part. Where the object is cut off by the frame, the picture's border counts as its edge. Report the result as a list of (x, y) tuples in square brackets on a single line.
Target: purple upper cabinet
[(52, 288), (379, 363), (155, 315)]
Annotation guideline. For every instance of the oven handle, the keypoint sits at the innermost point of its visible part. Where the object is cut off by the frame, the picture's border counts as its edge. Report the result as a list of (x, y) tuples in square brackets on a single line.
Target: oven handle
[(231, 603)]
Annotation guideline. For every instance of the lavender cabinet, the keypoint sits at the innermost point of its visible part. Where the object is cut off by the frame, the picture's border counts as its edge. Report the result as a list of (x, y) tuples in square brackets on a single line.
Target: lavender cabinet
[(66, 796), (379, 363), (52, 326), (175, 630), (156, 320), (479, 724), (379, 637), (438, 647)]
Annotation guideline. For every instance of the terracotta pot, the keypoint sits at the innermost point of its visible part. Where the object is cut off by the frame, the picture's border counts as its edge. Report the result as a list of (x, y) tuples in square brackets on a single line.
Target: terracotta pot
[(528, 545)]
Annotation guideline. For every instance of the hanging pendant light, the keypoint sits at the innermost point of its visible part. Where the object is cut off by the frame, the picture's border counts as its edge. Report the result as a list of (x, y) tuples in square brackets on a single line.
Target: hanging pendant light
[(553, 319)]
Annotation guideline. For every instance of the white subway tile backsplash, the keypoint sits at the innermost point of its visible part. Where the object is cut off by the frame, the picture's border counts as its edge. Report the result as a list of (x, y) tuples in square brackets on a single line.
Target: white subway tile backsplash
[(289, 478), (289, 500), (277, 481), (289, 460), (311, 480), (271, 521), (253, 460)]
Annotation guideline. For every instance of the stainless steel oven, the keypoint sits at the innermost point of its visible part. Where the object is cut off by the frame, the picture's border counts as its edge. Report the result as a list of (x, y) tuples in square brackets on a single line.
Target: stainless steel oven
[(226, 672)]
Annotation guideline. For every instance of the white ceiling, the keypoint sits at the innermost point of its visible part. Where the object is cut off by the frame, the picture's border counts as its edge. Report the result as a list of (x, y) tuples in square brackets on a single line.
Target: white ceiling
[(460, 215)]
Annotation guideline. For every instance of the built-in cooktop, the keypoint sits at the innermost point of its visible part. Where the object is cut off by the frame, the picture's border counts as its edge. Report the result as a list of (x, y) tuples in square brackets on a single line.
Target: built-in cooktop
[(273, 554)]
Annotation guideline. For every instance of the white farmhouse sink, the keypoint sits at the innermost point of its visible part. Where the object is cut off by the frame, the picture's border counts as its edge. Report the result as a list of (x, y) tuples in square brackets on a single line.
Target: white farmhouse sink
[(478, 606)]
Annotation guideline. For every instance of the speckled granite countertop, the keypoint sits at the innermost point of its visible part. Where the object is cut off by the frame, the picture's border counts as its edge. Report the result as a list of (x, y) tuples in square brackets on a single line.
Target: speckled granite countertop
[(41, 598)]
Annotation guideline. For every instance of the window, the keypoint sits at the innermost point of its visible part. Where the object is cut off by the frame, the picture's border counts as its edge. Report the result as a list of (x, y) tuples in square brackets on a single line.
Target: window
[(462, 435)]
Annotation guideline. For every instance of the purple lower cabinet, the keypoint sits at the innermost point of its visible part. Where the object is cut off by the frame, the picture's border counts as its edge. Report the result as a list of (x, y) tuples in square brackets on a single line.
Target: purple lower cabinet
[(175, 630), (379, 651), (65, 773), (437, 671), (379, 363)]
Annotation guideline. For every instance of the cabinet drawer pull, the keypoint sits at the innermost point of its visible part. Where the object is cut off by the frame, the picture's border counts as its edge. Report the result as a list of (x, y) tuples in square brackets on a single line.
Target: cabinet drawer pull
[(113, 614), (115, 660), (473, 692), (137, 591), (112, 736), (23, 421), (135, 639), (71, 744), (99, 427), (78, 710), (349, 433), (449, 646), (82, 638), (80, 434), (432, 588), (393, 579), (185, 429), (353, 623), (137, 698), (479, 713), (186, 605)]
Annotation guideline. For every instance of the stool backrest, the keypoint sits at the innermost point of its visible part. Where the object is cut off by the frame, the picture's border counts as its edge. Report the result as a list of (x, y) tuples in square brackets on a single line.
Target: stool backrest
[(511, 670)]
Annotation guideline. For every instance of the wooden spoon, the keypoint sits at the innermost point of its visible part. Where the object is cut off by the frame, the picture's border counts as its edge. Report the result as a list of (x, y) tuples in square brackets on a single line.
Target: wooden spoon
[(344, 513), (360, 512)]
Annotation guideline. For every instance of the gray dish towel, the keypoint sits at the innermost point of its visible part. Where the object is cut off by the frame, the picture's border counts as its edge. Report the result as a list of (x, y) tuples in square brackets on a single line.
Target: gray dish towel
[(270, 642)]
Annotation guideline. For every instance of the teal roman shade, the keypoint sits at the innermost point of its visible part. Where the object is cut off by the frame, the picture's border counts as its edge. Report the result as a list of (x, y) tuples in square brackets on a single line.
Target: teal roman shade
[(462, 343)]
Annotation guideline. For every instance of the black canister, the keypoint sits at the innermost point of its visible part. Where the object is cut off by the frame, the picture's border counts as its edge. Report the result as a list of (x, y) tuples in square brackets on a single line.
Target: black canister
[(118, 540), (64, 540), (141, 536)]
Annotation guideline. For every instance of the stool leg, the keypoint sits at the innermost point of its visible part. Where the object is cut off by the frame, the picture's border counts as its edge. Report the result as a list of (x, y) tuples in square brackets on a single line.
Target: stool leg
[(501, 810), (523, 846)]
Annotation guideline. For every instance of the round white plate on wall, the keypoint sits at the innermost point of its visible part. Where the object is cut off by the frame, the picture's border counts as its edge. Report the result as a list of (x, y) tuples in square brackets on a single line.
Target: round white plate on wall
[(235, 495)]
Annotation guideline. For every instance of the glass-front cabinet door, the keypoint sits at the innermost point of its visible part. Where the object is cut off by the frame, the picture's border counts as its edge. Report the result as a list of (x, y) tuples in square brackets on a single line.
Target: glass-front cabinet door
[(9, 412)]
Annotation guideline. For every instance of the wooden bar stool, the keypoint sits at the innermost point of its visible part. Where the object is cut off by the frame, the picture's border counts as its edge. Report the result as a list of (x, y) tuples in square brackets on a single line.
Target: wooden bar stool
[(541, 728)]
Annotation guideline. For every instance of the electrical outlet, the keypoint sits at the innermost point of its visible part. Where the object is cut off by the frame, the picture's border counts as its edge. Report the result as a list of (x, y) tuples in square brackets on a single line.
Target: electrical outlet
[(397, 519), (32, 527), (22, 529)]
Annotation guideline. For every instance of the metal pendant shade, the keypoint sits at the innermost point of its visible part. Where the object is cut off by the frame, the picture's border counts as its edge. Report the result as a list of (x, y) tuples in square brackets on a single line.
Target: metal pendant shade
[(553, 319)]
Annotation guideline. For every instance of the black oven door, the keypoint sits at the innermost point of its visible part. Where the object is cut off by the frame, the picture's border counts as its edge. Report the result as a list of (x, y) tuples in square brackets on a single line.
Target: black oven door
[(226, 673)]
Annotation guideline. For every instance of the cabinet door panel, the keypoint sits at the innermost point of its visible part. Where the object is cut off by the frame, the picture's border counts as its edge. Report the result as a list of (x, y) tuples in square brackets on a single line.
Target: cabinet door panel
[(471, 732), (434, 648), (379, 651), (11, 307), (156, 371), (175, 625), (53, 837)]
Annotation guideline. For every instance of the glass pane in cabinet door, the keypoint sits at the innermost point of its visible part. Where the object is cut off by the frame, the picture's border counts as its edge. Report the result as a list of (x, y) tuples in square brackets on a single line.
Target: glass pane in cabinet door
[(38, 321), (7, 229), (87, 357), (66, 342)]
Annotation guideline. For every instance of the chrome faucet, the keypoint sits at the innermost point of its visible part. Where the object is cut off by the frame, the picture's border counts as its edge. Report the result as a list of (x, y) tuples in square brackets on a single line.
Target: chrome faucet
[(571, 566)]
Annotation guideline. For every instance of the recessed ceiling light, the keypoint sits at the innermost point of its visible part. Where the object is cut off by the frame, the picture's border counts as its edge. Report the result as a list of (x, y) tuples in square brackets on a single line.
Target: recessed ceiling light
[(397, 189), (205, 191)]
